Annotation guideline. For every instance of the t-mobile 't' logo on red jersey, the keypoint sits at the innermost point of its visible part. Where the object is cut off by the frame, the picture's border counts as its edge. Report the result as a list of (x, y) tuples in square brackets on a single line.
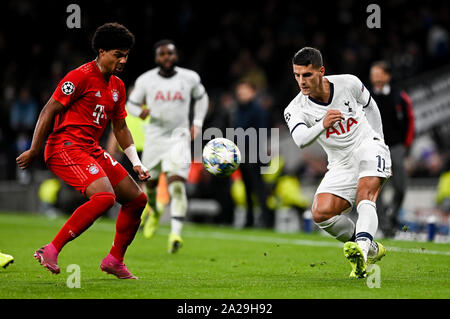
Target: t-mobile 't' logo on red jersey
[(99, 113), (341, 129), (168, 96)]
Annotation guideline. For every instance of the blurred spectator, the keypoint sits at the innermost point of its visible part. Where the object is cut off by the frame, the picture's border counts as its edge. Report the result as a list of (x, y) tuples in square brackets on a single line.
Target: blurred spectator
[(22, 120), (425, 159), (7, 159), (251, 115), (438, 42), (202, 184), (398, 128), (23, 113), (241, 40)]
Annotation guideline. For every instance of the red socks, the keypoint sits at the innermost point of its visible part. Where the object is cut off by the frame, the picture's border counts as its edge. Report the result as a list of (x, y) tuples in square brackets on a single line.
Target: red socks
[(83, 217), (127, 225)]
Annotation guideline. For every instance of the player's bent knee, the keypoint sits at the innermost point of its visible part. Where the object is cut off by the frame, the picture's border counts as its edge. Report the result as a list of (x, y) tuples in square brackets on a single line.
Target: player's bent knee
[(321, 214), (142, 199), (139, 202), (101, 185), (104, 199), (133, 209), (319, 217), (322, 211)]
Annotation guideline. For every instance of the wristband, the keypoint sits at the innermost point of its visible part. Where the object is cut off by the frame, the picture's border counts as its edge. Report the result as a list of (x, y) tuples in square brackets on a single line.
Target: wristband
[(198, 123), (132, 155)]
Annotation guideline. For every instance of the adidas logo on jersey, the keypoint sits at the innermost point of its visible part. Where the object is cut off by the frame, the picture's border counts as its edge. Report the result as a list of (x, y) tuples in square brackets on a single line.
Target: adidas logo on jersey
[(341, 129), (98, 94)]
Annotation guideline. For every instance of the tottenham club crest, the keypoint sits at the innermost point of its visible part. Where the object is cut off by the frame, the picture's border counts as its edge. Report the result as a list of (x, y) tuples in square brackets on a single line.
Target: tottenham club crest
[(347, 104), (115, 95), (67, 88)]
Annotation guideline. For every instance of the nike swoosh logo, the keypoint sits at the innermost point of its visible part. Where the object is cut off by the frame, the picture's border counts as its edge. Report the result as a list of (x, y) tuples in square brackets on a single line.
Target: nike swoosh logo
[(318, 120)]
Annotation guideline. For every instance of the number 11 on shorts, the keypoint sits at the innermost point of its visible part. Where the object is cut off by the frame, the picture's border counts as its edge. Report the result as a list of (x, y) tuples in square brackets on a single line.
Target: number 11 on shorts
[(381, 168)]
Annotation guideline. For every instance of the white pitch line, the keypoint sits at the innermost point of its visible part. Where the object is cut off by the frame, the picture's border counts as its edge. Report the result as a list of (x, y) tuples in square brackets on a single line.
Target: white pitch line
[(252, 238), (418, 251), (299, 242)]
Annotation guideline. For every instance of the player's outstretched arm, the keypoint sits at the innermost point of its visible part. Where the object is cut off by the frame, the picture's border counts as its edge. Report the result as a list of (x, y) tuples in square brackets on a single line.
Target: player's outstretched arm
[(136, 100), (43, 125), (125, 140), (137, 110)]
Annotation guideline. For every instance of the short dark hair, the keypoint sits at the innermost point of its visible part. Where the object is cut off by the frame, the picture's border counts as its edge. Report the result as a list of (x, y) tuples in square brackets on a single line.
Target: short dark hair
[(160, 43), (384, 65), (307, 56), (112, 36)]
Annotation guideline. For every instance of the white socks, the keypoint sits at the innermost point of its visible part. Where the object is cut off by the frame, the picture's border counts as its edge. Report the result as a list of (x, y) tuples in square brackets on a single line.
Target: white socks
[(176, 225), (366, 226), (340, 227), (178, 206), (343, 228)]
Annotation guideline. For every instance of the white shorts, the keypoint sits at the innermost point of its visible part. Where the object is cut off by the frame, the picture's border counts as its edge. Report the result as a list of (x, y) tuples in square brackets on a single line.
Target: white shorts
[(171, 156), (371, 158)]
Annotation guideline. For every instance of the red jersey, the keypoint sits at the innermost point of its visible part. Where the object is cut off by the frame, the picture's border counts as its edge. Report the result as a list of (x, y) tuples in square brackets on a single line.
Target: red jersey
[(90, 102)]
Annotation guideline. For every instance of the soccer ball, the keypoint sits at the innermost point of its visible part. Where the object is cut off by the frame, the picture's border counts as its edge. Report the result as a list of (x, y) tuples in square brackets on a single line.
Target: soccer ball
[(221, 157)]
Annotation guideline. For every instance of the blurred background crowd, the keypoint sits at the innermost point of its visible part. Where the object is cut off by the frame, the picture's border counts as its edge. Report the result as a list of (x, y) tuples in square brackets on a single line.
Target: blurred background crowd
[(227, 42)]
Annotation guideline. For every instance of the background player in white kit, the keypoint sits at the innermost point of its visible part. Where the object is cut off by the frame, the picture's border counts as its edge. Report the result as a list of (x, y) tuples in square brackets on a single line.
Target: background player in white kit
[(167, 90), (338, 112)]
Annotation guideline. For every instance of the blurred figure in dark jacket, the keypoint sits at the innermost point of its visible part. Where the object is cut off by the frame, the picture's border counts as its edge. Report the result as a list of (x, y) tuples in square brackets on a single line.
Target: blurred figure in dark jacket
[(251, 115), (398, 128)]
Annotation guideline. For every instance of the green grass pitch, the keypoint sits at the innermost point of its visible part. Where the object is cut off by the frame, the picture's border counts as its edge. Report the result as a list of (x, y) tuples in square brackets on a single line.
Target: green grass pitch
[(215, 263)]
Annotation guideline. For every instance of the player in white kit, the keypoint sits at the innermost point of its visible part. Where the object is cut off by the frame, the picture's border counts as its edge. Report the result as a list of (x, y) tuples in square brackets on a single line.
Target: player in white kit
[(338, 112), (167, 91)]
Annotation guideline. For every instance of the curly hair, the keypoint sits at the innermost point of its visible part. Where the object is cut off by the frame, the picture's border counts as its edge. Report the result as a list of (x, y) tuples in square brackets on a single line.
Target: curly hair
[(160, 43), (112, 36)]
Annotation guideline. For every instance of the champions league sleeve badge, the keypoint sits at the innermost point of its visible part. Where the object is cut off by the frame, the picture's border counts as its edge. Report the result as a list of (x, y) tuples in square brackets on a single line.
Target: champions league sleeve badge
[(67, 88)]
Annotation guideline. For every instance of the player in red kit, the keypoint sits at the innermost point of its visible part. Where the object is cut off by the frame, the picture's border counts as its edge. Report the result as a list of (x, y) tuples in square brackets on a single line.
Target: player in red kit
[(82, 105)]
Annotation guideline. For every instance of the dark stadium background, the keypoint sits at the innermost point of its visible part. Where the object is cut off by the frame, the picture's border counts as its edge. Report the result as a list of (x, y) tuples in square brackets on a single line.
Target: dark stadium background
[(225, 41)]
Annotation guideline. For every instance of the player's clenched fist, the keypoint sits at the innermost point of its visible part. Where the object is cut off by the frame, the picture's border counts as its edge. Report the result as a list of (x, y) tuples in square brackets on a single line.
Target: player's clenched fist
[(332, 117)]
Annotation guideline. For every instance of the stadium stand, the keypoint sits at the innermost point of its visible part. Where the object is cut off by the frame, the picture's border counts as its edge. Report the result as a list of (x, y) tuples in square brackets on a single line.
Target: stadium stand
[(229, 41)]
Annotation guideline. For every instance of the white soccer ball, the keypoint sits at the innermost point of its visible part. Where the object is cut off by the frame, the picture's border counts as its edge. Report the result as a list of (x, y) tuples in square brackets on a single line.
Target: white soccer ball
[(221, 157)]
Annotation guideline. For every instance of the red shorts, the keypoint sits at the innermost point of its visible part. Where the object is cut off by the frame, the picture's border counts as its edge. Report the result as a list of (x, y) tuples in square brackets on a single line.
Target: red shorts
[(79, 167)]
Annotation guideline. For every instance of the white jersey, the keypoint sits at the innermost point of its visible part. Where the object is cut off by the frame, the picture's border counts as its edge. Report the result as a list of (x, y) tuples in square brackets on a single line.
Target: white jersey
[(167, 98), (349, 96)]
